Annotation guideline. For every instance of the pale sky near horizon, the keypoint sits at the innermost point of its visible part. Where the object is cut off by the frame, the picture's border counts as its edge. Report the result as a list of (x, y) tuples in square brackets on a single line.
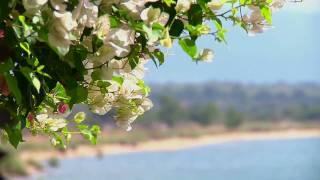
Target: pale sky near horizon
[(290, 52)]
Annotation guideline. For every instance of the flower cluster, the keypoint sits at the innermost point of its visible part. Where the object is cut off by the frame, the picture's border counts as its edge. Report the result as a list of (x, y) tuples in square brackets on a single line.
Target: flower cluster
[(94, 52), (256, 21)]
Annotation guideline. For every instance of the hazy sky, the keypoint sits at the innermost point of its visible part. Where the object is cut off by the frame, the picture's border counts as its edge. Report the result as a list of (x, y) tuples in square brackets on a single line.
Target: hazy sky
[(289, 52)]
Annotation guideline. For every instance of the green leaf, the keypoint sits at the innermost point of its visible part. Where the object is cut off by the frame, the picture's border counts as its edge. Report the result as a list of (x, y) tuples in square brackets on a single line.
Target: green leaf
[(267, 14), (133, 61), (33, 61), (160, 56), (195, 15), (103, 83), (75, 57), (220, 36), (60, 93), (89, 134), (153, 33), (95, 131), (245, 1), (28, 73), (6, 66), (25, 46), (114, 22), (78, 94), (14, 135), (176, 28), (39, 71), (4, 10), (146, 89), (189, 47), (134, 56), (169, 2), (118, 79), (96, 43), (13, 86), (57, 140)]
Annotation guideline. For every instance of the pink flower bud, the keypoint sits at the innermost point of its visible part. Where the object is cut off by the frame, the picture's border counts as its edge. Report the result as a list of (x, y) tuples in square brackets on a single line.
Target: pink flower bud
[(30, 117), (2, 33), (62, 108)]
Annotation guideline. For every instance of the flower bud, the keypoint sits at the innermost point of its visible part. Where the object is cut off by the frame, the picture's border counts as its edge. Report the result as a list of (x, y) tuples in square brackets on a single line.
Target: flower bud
[(183, 6), (2, 33), (54, 142), (62, 108), (167, 41), (206, 55), (216, 5), (30, 117)]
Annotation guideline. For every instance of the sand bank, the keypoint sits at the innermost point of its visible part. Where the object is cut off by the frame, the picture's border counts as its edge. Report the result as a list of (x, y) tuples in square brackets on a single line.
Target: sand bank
[(171, 144)]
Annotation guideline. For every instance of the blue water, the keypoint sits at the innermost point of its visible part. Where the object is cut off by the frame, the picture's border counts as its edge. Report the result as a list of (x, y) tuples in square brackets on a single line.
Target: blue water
[(297, 159)]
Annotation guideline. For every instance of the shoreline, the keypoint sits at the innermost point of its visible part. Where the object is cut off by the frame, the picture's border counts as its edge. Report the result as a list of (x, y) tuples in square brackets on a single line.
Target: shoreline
[(170, 144)]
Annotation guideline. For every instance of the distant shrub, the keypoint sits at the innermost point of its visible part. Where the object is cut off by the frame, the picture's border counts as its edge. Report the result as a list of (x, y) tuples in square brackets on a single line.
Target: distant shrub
[(10, 164), (233, 119), (54, 162)]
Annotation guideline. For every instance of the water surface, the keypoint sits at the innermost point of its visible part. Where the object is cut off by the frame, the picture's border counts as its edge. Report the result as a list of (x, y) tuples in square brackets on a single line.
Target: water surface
[(297, 159)]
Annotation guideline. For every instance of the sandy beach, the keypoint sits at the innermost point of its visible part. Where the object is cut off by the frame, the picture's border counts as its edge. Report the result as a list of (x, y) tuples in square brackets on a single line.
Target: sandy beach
[(171, 144)]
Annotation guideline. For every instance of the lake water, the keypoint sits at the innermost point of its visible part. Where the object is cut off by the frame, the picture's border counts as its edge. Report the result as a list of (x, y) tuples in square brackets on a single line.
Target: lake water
[(297, 159)]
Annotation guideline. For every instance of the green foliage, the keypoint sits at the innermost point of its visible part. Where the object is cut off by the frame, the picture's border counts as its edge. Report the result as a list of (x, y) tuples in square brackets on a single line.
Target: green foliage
[(51, 60), (205, 114), (54, 162), (10, 164), (195, 15), (211, 103), (189, 47), (233, 119), (170, 110)]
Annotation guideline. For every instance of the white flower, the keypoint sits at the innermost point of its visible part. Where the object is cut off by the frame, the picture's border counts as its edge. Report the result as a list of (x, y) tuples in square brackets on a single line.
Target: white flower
[(102, 26), (86, 13), (206, 55), (183, 6), (150, 15), (277, 4), (126, 113), (128, 88), (65, 20), (164, 18), (146, 104), (106, 5), (258, 28), (52, 123), (55, 124), (33, 5), (59, 5), (42, 117), (139, 71), (104, 73), (120, 40), (103, 55), (215, 5), (99, 103), (135, 7), (255, 22), (59, 31)]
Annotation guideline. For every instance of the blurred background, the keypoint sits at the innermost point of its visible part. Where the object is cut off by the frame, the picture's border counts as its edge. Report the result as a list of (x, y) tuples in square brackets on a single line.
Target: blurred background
[(253, 113)]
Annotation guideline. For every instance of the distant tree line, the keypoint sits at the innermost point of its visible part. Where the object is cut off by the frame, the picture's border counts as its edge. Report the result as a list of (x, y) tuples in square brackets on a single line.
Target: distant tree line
[(233, 103), (171, 112)]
